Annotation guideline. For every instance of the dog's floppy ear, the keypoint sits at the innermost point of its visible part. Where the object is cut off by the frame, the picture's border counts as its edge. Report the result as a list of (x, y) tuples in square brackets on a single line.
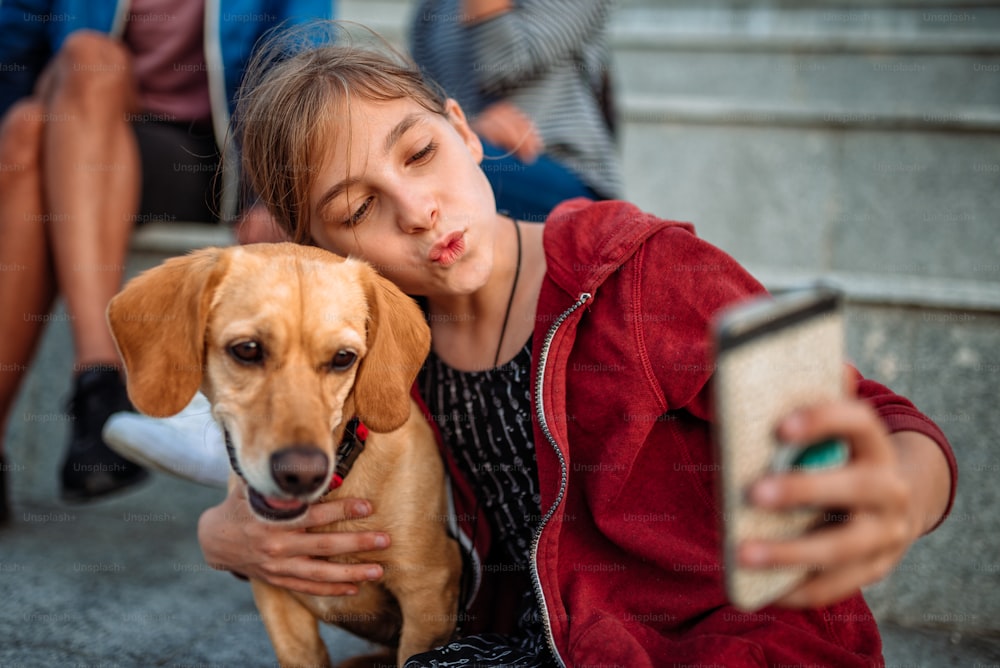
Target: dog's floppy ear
[(398, 343), (158, 322)]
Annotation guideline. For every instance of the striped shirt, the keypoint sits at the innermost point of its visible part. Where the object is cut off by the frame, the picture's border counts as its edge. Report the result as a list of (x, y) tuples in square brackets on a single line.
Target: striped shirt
[(547, 57)]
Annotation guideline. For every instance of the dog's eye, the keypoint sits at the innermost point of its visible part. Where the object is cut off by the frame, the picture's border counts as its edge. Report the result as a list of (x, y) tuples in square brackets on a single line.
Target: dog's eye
[(343, 360), (248, 352)]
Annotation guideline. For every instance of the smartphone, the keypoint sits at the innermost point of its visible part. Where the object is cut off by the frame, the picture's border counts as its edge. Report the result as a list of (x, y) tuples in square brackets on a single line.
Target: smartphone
[(773, 354)]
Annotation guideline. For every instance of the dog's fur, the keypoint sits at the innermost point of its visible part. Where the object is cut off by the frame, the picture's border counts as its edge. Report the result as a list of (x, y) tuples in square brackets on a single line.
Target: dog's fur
[(175, 326)]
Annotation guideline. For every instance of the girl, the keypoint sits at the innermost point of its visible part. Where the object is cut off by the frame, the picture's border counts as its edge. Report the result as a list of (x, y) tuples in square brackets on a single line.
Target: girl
[(568, 376)]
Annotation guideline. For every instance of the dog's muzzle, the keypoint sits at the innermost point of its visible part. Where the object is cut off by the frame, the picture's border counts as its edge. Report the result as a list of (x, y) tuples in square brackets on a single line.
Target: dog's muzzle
[(270, 508), (300, 471)]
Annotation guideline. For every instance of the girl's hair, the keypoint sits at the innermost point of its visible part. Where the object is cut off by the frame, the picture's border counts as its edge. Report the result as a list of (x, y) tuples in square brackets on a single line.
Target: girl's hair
[(295, 99)]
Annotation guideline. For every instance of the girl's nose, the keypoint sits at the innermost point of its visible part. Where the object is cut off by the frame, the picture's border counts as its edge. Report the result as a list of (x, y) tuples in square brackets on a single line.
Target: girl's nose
[(417, 212)]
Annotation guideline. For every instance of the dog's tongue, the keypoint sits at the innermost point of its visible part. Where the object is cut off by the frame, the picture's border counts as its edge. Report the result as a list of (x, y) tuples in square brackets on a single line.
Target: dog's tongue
[(275, 509), (283, 504)]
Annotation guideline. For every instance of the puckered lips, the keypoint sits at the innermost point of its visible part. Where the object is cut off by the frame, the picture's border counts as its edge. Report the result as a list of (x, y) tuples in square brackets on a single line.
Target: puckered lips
[(448, 250)]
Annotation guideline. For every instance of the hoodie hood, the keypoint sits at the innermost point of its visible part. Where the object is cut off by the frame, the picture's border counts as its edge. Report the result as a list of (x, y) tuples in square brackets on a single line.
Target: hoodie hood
[(586, 241)]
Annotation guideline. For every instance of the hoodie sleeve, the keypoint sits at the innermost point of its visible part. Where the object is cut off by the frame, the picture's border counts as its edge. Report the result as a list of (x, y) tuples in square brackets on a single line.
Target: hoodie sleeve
[(899, 414), (685, 282)]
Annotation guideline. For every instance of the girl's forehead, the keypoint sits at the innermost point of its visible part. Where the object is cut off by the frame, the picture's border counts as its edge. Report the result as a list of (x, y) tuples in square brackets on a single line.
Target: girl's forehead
[(365, 125), (368, 129), (372, 117)]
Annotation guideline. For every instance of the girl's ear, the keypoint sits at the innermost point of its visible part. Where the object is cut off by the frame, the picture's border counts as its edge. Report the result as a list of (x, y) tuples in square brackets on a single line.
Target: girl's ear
[(461, 124)]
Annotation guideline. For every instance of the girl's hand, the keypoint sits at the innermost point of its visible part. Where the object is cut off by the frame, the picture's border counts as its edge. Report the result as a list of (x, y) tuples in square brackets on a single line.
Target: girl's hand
[(869, 505), (282, 554)]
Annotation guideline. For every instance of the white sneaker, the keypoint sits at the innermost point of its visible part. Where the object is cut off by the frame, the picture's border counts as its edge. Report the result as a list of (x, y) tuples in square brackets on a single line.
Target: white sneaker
[(189, 445)]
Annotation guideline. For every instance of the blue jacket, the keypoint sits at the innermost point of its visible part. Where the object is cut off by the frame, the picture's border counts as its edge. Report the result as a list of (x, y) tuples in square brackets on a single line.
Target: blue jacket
[(31, 31)]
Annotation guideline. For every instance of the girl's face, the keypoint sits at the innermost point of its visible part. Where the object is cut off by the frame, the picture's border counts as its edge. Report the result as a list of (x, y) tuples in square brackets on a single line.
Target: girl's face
[(405, 192)]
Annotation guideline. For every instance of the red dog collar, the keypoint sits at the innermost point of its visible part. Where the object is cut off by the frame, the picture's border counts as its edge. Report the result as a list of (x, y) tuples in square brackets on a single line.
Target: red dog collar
[(350, 447)]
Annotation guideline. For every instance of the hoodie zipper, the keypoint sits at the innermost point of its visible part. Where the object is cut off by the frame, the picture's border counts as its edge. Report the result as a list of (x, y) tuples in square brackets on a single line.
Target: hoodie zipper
[(543, 425)]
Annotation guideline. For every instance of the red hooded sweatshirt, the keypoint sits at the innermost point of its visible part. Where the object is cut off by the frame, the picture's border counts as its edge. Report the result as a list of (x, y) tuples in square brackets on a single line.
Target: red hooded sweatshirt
[(626, 563)]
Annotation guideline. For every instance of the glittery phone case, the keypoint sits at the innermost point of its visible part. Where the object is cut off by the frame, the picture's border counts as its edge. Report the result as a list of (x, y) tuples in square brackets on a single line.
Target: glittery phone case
[(773, 355)]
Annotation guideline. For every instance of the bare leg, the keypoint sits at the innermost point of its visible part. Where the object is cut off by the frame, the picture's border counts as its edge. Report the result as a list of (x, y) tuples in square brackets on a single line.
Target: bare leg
[(90, 185), (91, 182), (26, 284)]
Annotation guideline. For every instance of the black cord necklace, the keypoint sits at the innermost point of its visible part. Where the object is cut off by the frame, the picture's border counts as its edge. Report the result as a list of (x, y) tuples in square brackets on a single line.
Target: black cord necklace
[(513, 289)]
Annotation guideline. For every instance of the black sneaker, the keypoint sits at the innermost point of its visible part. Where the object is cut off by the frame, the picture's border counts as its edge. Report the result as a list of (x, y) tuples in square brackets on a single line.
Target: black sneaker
[(92, 469)]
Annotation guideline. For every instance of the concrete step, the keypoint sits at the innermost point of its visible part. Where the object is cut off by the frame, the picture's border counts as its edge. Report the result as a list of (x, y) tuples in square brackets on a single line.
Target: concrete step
[(791, 197), (164, 239), (931, 91), (831, 136)]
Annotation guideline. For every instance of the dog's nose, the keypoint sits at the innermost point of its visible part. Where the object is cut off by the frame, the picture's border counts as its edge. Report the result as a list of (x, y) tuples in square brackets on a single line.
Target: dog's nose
[(299, 469)]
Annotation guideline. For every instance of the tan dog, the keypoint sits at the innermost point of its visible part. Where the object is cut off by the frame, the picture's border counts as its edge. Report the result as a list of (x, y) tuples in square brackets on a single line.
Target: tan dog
[(288, 343)]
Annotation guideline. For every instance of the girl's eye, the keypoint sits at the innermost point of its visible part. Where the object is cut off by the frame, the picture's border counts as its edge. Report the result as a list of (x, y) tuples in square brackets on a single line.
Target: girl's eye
[(360, 213), (423, 153)]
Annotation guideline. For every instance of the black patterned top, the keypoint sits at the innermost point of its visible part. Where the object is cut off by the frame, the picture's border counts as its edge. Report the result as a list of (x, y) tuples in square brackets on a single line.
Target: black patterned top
[(485, 421)]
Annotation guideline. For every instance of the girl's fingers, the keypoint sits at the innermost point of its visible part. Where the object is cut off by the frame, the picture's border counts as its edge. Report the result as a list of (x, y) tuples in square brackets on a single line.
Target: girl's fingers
[(321, 570), (843, 559), (864, 504), (868, 480), (317, 515), (853, 420), (315, 588), (854, 487), (319, 577), (858, 539), (339, 543), (280, 540), (835, 585), (849, 382), (328, 512)]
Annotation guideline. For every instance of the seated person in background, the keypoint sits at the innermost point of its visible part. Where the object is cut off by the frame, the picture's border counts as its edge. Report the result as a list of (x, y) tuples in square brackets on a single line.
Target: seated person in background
[(532, 77), (109, 118)]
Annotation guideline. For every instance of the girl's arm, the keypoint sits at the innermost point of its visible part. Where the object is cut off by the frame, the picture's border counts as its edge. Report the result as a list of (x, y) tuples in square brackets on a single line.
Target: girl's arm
[(900, 480), (899, 483), (233, 539)]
